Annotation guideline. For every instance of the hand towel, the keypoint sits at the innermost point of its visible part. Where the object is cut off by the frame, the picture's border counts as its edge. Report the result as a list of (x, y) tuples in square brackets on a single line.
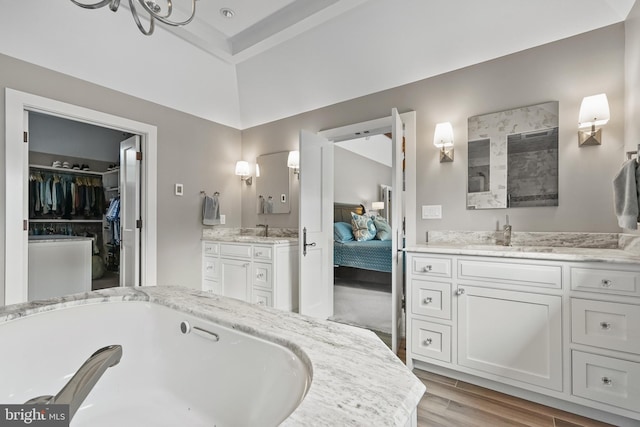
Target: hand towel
[(210, 210), (625, 195)]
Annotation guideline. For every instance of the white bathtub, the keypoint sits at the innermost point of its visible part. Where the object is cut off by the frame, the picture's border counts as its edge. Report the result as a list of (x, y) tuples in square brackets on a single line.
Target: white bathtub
[(165, 377)]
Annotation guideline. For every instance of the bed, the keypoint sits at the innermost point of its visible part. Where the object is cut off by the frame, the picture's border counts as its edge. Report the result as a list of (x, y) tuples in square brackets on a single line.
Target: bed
[(371, 255)]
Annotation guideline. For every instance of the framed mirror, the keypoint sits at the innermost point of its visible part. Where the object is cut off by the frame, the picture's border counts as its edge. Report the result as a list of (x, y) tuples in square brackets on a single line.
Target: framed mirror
[(513, 158), (272, 184)]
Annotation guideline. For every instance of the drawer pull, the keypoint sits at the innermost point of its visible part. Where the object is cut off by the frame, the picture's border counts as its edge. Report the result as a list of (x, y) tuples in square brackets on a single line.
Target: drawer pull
[(427, 268), (460, 291), (605, 325), (607, 381), (258, 253), (428, 341), (606, 283), (428, 300)]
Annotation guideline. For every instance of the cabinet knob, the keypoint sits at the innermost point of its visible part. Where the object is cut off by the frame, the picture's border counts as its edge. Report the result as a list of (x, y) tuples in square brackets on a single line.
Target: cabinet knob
[(245, 265), (428, 300), (428, 341), (258, 253), (607, 381), (606, 283), (605, 325), (427, 268), (459, 291)]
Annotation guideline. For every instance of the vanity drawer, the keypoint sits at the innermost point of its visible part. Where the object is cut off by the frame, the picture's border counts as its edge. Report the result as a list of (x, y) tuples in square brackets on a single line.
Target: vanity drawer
[(210, 249), (431, 298), (210, 268), (431, 266), (605, 281), (263, 252), (212, 286), (609, 325), (262, 275), (524, 274), (431, 340), (606, 379), (235, 250), (264, 298)]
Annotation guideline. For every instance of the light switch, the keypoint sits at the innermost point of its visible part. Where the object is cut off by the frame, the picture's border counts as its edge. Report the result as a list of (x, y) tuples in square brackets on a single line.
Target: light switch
[(223, 219), (432, 212)]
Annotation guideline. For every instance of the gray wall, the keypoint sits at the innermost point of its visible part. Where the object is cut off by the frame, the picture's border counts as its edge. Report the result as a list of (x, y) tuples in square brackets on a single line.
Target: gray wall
[(192, 151), (565, 71), (357, 179), (632, 78)]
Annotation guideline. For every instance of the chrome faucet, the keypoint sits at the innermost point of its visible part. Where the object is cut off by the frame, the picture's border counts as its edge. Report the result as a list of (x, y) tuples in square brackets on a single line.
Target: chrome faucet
[(266, 229), (506, 238), (81, 384)]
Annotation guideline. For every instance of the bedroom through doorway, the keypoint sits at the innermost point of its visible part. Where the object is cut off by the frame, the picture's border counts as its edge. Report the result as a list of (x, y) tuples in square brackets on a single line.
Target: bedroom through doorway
[(362, 234)]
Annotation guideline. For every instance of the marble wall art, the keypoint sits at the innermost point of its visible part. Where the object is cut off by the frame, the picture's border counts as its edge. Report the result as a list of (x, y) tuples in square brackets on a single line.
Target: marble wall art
[(513, 158)]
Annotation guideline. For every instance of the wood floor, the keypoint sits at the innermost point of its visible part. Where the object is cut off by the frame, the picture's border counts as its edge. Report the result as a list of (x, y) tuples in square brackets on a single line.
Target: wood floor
[(452, 403)]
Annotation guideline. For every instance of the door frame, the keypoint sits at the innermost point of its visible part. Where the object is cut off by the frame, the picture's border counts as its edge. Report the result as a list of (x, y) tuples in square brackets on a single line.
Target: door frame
[(16, 103), (380, 126)]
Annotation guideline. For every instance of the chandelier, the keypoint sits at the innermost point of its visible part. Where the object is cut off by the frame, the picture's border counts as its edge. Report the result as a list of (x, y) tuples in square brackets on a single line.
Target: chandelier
[(153, 8)]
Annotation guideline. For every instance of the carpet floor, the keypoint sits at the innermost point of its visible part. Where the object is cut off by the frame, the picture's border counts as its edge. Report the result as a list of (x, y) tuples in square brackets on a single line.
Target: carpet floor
[(366, 308)]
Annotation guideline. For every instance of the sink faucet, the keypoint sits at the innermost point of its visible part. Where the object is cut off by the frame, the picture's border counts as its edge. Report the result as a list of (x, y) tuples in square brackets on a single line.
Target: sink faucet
[(81, 384), (266, 229), (506, 239)]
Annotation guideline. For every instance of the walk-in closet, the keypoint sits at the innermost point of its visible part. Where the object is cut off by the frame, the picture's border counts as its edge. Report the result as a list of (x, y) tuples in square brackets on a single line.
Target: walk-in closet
[(74, 200)]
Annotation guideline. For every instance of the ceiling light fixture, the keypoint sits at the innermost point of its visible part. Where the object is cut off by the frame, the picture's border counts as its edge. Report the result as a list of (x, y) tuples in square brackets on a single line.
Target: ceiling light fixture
[(157, 9), (227, 13)]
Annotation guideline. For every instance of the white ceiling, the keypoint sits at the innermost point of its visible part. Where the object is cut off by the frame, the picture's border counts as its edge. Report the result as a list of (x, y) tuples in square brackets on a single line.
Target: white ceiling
[(278, 58)]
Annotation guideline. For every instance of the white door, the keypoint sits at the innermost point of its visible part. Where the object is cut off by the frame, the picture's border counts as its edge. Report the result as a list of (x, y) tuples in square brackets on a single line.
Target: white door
[(316, 225), (397, 221), (130, 220)]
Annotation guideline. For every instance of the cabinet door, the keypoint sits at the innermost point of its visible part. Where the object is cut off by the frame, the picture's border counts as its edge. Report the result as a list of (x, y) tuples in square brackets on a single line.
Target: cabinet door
[(235, 278), (515, 335)]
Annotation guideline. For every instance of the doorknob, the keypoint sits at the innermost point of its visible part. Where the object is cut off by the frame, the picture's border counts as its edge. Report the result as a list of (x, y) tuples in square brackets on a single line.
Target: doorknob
[(304, 242)]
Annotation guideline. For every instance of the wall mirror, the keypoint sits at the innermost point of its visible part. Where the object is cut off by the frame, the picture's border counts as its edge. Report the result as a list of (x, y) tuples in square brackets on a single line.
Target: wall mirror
[(513, 158), (272, 184)]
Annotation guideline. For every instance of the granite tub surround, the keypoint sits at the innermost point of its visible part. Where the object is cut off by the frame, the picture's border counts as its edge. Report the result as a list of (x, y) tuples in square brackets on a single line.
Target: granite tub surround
[(250, 235), (562, 246), (356, 379)]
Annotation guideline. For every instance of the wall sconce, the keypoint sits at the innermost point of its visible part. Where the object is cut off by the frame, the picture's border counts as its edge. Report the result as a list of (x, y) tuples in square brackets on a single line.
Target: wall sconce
[(242, 169), (443, 139), (293, 162), (594, 111)]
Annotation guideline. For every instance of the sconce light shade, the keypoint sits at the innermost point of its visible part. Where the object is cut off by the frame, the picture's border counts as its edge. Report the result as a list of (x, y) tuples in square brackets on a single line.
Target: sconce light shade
[(443, 139), (377, 206), (293, 162), (594, 111), (242, 169)]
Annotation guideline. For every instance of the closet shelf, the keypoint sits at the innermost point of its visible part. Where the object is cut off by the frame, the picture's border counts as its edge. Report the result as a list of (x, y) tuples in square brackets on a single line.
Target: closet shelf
[(67, 171), (64, 220)]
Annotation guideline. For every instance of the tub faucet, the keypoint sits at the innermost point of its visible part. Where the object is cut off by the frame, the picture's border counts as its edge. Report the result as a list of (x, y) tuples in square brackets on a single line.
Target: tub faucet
[(506, 238), (266, 229), (81, 384)]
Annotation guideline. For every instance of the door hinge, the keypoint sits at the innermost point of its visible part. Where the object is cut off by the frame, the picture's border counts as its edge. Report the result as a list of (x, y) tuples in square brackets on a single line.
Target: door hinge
[(25, 224), (25, 137), (138, 155), (138, 223)]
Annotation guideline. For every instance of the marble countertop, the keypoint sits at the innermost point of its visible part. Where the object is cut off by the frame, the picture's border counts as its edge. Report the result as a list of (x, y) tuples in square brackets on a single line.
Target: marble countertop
[(556, 253), (45, 238), (357, 380), (251, 239)]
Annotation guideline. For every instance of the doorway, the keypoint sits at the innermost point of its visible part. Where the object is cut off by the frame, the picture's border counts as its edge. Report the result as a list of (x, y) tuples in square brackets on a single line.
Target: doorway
[(18, 107), (316, 219)]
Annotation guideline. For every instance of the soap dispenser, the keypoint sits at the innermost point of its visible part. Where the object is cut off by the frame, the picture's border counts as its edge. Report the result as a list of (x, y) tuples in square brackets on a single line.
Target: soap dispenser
[(506, 239)]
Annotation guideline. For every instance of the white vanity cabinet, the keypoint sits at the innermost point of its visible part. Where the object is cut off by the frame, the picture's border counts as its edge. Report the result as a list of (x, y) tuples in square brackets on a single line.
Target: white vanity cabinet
[(261, 273), (541, 329)]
